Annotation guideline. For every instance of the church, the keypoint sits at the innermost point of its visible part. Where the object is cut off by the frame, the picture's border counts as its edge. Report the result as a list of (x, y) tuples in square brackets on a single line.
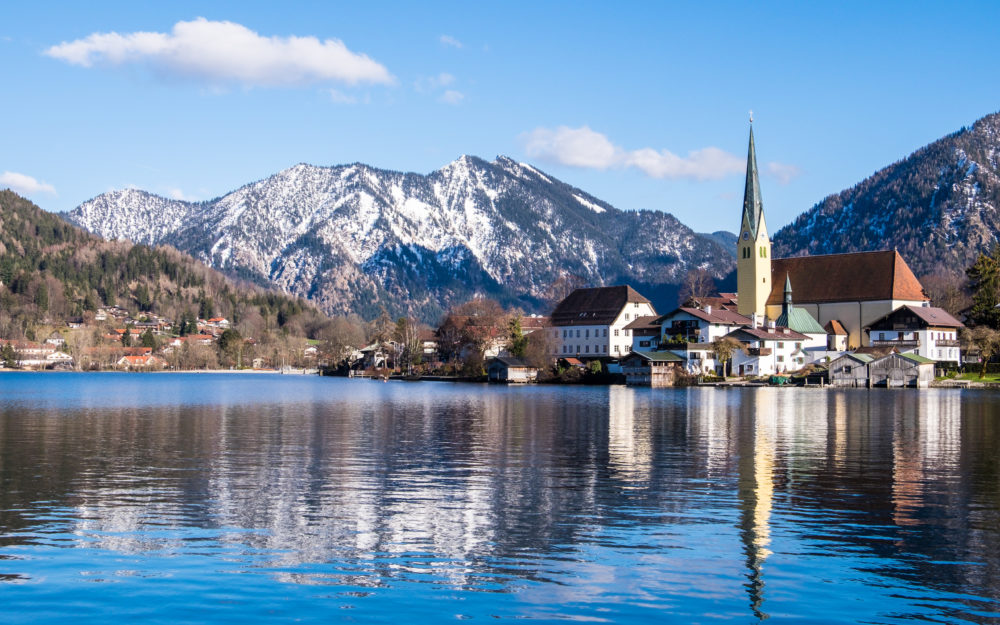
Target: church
[(848, 291)]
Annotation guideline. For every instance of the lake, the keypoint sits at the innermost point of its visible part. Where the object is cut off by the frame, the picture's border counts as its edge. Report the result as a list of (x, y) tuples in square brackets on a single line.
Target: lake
[(168, 498)]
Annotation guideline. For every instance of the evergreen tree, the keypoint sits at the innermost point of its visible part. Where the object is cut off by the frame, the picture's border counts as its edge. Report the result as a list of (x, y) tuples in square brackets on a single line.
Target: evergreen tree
[(149, 339), (518, 341), (9, 356), (984, 282), (127, 336)]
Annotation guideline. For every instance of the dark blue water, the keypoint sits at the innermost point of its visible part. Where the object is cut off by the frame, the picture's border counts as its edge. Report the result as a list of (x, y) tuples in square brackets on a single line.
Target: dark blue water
[(174, 498)]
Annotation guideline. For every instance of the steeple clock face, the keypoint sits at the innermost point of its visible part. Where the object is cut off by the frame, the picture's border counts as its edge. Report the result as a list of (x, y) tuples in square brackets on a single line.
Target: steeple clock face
[(746, 235)]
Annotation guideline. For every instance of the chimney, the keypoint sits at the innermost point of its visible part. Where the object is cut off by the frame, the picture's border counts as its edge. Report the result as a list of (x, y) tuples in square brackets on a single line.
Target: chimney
[(770, 325), (753, 320), (708, 310)]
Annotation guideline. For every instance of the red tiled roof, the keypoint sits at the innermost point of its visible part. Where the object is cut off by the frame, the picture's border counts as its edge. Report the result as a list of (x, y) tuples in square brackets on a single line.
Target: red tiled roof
[(595, 306), (835, 327), (860, 276), (717, 315)]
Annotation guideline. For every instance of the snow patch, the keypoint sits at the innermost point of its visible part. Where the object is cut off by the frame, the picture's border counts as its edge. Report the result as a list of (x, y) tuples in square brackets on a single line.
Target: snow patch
[(592, 206)]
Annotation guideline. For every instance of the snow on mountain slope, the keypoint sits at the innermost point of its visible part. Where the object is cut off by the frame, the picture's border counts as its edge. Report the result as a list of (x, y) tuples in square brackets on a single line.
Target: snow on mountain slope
[(354, 238)]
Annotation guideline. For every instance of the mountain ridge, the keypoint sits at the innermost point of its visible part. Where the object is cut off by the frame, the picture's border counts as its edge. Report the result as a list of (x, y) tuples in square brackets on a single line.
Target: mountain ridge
[(355, 238), (937, 206)]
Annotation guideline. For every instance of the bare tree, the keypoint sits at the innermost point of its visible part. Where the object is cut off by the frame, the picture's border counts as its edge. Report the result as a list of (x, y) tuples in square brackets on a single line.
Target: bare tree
[(697, 283), (984, 339)]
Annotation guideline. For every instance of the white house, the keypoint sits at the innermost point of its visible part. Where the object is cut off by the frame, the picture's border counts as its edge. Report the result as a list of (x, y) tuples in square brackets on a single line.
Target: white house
[(699, 325), (923, 330), (769, 350), (592, 322)]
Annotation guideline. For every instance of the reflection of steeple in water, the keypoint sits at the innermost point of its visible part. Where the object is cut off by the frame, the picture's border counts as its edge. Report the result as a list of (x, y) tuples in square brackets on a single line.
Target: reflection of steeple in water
[(756, 490)]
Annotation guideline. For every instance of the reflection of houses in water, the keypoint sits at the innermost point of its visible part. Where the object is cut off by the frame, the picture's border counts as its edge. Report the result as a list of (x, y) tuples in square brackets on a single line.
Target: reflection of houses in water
[(926, 446), (630, 453)]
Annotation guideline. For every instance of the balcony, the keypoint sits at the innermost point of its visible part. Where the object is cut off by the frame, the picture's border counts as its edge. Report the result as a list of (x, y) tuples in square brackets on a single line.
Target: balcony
[(946, 343), (759, 351), (897, 343)]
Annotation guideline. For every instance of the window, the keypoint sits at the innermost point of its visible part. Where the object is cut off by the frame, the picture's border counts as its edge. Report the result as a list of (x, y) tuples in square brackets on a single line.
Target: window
[(605, 333), (578, 333), (781, 359), (586, 348), (604, 348), (616, 349), (635, 304), (781, 344), (627, 332), (587, 333), (798, 345), (644, 343), (616, 332), (626, 316)]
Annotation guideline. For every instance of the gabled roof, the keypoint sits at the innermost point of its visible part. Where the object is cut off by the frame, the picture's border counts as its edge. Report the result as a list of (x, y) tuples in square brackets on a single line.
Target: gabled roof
[(768, 334), (860, 276), (834, 326), (925, 316), (722, 315), (510, 361), (645, 323), (917, 358), (595, 306), (857, 357), (656, 356)]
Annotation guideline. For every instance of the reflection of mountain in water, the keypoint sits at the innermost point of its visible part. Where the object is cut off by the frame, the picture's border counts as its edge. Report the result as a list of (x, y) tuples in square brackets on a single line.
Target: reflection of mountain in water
[(479, 489)]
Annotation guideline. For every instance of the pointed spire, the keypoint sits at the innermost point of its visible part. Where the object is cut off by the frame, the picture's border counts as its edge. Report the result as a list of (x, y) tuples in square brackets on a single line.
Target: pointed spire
[(753, 206), (786, 307)]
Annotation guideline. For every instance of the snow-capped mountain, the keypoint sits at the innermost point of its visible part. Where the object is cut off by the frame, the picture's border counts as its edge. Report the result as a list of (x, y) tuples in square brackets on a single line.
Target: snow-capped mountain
[(354, 238), (938, 207)]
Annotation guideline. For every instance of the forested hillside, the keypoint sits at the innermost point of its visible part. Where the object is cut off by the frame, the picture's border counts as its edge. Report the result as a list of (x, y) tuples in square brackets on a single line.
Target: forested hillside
[(51, 271), (938, 207)]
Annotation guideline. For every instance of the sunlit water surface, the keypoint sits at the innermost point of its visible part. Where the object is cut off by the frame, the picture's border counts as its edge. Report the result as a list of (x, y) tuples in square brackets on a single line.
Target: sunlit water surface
[(256, 498)]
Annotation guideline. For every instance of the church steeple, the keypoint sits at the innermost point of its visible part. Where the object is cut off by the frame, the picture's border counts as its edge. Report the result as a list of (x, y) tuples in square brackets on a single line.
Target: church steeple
[(786, 308), (753, 266), (753, 206)]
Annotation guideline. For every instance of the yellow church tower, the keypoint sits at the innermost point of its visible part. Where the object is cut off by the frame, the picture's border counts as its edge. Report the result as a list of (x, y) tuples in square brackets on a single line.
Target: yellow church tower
[(753, 248)]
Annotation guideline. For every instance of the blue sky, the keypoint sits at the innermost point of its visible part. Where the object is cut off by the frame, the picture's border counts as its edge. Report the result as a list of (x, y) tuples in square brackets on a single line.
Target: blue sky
[(644, 105)]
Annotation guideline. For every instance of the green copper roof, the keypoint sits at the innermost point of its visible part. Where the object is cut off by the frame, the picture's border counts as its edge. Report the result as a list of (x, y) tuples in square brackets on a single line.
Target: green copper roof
[(917, 358), (753, 206), (800, 320), (659, 356)]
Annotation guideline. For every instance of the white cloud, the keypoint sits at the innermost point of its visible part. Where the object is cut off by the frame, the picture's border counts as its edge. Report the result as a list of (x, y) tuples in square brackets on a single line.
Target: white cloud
[(448, 40), (784, 173), (586, 148), (433, 83), (23, 184), (576, 147), (452, 97), (226, 52)]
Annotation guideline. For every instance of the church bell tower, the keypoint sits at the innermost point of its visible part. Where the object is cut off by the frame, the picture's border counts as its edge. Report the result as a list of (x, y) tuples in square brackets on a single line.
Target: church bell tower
[(753, 248)]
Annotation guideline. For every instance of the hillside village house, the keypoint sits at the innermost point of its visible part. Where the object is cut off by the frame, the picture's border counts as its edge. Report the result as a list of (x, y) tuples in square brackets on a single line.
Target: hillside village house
[(592, 322), (925, 330), (769, 350)]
